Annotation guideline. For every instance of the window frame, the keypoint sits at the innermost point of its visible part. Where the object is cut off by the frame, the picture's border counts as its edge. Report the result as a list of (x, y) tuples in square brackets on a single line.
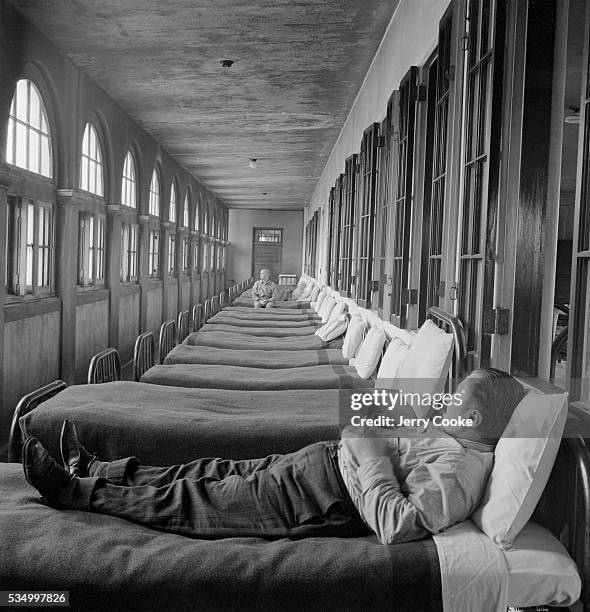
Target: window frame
[(12, 140), (129, 191)]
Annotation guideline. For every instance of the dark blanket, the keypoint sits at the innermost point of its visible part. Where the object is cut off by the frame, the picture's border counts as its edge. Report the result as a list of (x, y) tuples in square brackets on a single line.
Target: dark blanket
[(266, 316), (243, 342), (254, 359), (280, 304), (262, 312), (109, 564), (269, 332), (278, 323), (254, 379), (163, 425)]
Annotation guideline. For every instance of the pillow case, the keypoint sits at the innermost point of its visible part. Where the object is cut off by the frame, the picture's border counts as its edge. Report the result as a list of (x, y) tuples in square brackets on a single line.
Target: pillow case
[(298, 290), (321, 297), (394, 357), (314, 293), (333, 328), (523, 460), (353, 338), (338, 310), (369, 353), (306, 293), (427, 361), (326, 309)]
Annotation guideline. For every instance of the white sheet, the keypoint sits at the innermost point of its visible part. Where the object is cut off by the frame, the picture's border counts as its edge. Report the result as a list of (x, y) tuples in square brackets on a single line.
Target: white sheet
[(474, 572)]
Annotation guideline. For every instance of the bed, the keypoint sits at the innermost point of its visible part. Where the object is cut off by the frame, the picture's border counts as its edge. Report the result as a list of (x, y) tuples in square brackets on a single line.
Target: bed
[(256, 379), (244, 342), (280, 309), (353, 574), (225, 319), (184, 353), (144, 569), (248, 314), (267, 331), (110, 564)]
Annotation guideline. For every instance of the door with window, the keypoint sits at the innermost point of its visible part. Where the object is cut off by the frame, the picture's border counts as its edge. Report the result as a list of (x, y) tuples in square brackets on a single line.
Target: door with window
[(267, 251)]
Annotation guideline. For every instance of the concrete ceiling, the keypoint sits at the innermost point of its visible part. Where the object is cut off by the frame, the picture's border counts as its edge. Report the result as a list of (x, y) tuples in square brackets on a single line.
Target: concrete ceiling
[(298, 67)]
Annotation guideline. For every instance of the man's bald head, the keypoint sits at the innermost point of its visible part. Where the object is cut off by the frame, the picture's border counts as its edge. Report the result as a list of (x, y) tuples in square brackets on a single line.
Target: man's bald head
[(265, 274)]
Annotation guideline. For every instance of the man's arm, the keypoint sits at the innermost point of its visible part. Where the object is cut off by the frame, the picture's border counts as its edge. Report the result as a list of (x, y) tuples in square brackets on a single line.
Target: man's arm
[(273, 297), (436, 498), (436, 495), (255, 294)]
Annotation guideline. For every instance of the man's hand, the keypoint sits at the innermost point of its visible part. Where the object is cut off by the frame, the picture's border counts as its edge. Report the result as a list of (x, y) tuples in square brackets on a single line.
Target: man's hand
[(364, 446)]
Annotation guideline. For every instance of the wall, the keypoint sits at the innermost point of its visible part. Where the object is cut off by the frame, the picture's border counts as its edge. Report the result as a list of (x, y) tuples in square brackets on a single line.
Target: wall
[(241, 222), (43, 338), (408, 41)]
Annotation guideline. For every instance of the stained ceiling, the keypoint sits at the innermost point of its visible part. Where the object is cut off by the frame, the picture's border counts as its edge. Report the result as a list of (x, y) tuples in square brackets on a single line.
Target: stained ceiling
[(298, 65)]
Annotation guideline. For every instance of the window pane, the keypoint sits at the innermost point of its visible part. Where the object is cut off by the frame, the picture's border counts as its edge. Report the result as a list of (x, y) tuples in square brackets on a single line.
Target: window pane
[(10, 141), (29, 254), (21, 100), (35, 110), (45, 156), (21, 145), (84, 174)]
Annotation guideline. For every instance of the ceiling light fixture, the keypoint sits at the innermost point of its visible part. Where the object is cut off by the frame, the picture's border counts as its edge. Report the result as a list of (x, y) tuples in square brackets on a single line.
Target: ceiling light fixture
[(227, 63), (253, 161), (574, 116)]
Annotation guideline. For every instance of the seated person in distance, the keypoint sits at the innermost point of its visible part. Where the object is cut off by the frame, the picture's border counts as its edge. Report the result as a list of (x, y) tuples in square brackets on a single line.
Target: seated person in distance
[(264, 291), (401, 489)]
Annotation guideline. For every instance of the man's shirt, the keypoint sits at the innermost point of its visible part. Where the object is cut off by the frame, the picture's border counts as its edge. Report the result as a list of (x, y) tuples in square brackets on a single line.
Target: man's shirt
[(423, 486), (264, 291)]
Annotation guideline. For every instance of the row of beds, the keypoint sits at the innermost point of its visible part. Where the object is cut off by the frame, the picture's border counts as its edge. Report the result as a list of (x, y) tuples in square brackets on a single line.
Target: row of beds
[(245, 384)]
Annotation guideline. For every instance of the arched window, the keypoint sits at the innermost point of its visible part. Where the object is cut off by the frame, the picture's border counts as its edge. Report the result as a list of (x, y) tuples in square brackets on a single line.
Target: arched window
[(173, 203), (197, 220), (154, 204), (128, 185), (28, 143), (91, 177), (185, 212)]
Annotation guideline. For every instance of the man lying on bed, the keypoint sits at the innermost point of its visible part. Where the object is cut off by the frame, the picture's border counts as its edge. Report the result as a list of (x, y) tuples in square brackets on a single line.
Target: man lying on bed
[(264, 291), (399, 488)]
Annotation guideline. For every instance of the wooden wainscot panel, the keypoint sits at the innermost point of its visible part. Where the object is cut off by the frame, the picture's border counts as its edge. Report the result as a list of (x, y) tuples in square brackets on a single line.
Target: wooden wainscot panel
[(172, 299), (154, 310), (31, 359), (92, 335), (186, 294), (128, 324)]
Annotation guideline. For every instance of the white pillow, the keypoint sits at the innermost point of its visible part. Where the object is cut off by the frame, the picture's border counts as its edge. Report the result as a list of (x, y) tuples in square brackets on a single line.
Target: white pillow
[(523, 460), (321, 297), (298, 290), (326, 309), (540, 571), (427, 361), (394, 356), (338, 310), (369, 352), (314, 293), (353, 338), (306, 293), (333, 328)]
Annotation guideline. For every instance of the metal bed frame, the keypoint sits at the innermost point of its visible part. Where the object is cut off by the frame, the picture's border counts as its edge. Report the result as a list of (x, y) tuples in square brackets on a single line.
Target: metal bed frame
[(104, 367), (167, 339), (144, 355)]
